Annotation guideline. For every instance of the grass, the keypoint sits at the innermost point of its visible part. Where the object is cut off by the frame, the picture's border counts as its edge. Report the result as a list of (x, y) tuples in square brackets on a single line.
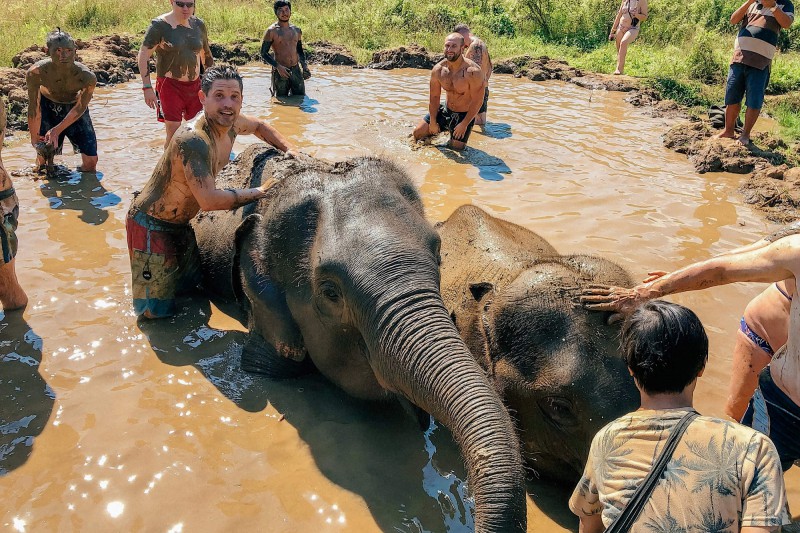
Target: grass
[(684, 57)]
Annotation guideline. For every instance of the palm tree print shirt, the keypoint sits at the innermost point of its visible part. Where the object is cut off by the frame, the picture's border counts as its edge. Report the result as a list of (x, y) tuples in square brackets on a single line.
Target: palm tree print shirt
[(723, 476)]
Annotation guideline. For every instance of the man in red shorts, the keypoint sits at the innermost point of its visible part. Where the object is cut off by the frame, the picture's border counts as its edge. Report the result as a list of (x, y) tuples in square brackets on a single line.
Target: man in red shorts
[(180, 43)]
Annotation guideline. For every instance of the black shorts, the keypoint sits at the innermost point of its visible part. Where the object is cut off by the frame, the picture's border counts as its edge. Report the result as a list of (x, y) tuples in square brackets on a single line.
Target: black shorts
[(773, 413), (80, 133), (485, 104), (294, 84), (448, 120)]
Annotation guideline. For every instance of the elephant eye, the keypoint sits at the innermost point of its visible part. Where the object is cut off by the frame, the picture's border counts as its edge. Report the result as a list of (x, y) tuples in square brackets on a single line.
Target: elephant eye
[(329, 291), (559, 410)]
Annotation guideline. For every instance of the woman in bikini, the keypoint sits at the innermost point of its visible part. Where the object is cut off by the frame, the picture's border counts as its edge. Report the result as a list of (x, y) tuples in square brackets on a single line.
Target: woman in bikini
[(630, 15)]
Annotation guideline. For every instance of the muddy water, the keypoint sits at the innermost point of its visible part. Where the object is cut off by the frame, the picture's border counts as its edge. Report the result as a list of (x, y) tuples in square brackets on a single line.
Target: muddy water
[(106, 426)]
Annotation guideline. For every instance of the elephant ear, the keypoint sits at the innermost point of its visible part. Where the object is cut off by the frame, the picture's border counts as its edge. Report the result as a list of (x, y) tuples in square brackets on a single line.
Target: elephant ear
[(481, 289), (242, 232)]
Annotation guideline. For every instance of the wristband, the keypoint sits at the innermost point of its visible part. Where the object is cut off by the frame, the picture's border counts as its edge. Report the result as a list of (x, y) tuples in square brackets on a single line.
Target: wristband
[(147, 87)]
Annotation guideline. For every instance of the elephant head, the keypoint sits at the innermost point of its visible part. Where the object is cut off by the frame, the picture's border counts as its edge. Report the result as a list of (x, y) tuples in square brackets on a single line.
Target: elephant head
[(339, 270), (556, 365)]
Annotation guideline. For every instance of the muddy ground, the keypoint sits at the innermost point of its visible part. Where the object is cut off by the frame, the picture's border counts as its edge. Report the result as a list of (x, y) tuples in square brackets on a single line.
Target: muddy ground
[(771, 185)]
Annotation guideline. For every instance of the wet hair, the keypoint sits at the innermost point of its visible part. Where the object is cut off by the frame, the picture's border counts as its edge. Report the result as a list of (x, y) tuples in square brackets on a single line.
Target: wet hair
[(665, 346), (461, 28), (59, 37), (220, 72), (280, 3)]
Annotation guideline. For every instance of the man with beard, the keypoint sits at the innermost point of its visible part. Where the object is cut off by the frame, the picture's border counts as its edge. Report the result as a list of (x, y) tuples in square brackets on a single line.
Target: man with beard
[(11, 294), (180, 43), (59, 91), (163, 253), (289, 56), (463, 83), (477, 51)]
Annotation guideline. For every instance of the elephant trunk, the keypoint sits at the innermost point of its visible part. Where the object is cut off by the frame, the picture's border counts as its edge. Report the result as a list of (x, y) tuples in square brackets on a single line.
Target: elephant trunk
[(418, 353)]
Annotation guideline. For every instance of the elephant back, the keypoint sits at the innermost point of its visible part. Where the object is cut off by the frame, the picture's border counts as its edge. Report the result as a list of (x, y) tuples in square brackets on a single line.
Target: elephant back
[(216, 231)]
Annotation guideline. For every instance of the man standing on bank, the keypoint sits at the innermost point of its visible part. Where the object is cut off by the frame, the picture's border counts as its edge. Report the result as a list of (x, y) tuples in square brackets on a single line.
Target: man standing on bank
[(59, 92), (163, 253), (478, 52), (180, 43), (463, 82), (287, 40), (761, 22)]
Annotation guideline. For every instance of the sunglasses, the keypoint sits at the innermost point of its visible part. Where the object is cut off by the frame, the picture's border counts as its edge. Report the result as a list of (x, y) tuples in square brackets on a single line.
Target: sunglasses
[(184, 4)]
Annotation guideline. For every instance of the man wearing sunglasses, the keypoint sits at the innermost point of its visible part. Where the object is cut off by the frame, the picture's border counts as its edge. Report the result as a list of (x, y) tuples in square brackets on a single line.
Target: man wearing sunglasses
[(286, 39), (180, 43)]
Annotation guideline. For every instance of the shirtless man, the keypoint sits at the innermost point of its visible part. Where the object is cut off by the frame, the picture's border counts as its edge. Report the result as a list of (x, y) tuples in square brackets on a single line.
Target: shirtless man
[(180, 43), (463, 82), (287, 40), (774, 408), (163, 253), (59, 92), (479, 53), (11, 294)]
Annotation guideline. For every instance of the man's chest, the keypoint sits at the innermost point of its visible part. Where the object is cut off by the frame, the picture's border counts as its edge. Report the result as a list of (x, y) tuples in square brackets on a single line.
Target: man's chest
[(454, 81), (181, 38), (285, 36)]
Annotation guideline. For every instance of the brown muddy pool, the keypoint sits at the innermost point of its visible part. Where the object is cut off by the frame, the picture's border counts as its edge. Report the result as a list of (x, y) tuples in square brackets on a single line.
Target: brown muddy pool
[(105, 427)]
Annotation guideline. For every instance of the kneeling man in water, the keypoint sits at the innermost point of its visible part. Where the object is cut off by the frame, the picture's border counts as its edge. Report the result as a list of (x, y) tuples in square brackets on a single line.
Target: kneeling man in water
[(463, 83), (59, 91), (163, 253)]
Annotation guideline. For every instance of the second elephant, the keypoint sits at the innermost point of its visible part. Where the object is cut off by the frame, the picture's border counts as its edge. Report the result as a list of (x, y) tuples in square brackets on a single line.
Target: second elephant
[(514, 300)]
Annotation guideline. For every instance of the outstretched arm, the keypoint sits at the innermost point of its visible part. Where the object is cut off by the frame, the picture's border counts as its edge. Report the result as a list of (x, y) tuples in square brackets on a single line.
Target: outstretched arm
[(75, 113), (247, 125), (32, 78), (766, 264), (433, 100), (195, 157)]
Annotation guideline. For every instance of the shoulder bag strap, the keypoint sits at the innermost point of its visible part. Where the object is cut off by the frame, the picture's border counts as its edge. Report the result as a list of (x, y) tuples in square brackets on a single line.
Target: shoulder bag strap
[(634, 508)]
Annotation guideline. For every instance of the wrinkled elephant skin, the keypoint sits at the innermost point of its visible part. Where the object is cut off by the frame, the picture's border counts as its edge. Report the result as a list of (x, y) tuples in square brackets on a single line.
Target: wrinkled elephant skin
[(337, 270), (514, 300)]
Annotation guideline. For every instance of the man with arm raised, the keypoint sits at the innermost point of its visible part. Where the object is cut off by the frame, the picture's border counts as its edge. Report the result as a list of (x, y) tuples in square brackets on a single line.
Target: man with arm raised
[(163, 252)]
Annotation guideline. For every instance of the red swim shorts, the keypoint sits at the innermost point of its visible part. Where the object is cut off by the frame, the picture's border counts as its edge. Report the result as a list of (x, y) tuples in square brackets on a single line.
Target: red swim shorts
[(178, 99)]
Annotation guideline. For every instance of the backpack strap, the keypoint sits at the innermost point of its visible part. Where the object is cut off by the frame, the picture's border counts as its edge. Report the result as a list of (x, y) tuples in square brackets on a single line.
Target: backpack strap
[(631, 513)]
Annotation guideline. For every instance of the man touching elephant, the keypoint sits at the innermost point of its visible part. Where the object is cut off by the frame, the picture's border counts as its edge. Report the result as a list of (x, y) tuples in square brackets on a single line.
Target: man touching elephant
[(163, 253), (774, 407)]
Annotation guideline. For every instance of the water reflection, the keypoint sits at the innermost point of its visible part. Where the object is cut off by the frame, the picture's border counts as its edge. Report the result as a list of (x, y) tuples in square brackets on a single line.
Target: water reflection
[(304, 103), (495, 130), (26, 400), (80, 191)]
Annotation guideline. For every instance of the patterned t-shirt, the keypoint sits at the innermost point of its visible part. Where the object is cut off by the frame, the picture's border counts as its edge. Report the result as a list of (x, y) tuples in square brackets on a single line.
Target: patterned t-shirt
[(722, 476), (758, 36)]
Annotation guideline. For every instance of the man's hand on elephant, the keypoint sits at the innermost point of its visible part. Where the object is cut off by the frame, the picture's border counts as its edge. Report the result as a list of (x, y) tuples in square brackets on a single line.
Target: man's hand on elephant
[(267, 185), (608, 298), (283, 72), (51, 137), (654, 275)]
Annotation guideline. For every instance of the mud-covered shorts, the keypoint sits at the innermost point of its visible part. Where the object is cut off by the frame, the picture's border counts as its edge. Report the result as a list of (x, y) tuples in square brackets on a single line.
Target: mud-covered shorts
[(448, 120), (9, 209), (294, 83), (164, 263), (80, 133), (177, 99), (773, 413)]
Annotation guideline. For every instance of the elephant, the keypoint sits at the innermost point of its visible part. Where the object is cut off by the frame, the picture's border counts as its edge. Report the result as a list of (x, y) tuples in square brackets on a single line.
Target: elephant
[(557, 366), (337, 271)]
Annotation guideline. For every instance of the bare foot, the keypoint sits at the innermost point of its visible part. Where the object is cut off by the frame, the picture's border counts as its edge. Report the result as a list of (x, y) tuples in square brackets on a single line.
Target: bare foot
[(744, 140), (617, 73), (724, 135)]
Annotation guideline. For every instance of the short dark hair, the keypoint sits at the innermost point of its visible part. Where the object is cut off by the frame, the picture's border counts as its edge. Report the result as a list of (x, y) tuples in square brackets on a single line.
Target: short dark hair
[(220, 72), (461, 27), (665, 346), (59, 36), (279, 4)]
